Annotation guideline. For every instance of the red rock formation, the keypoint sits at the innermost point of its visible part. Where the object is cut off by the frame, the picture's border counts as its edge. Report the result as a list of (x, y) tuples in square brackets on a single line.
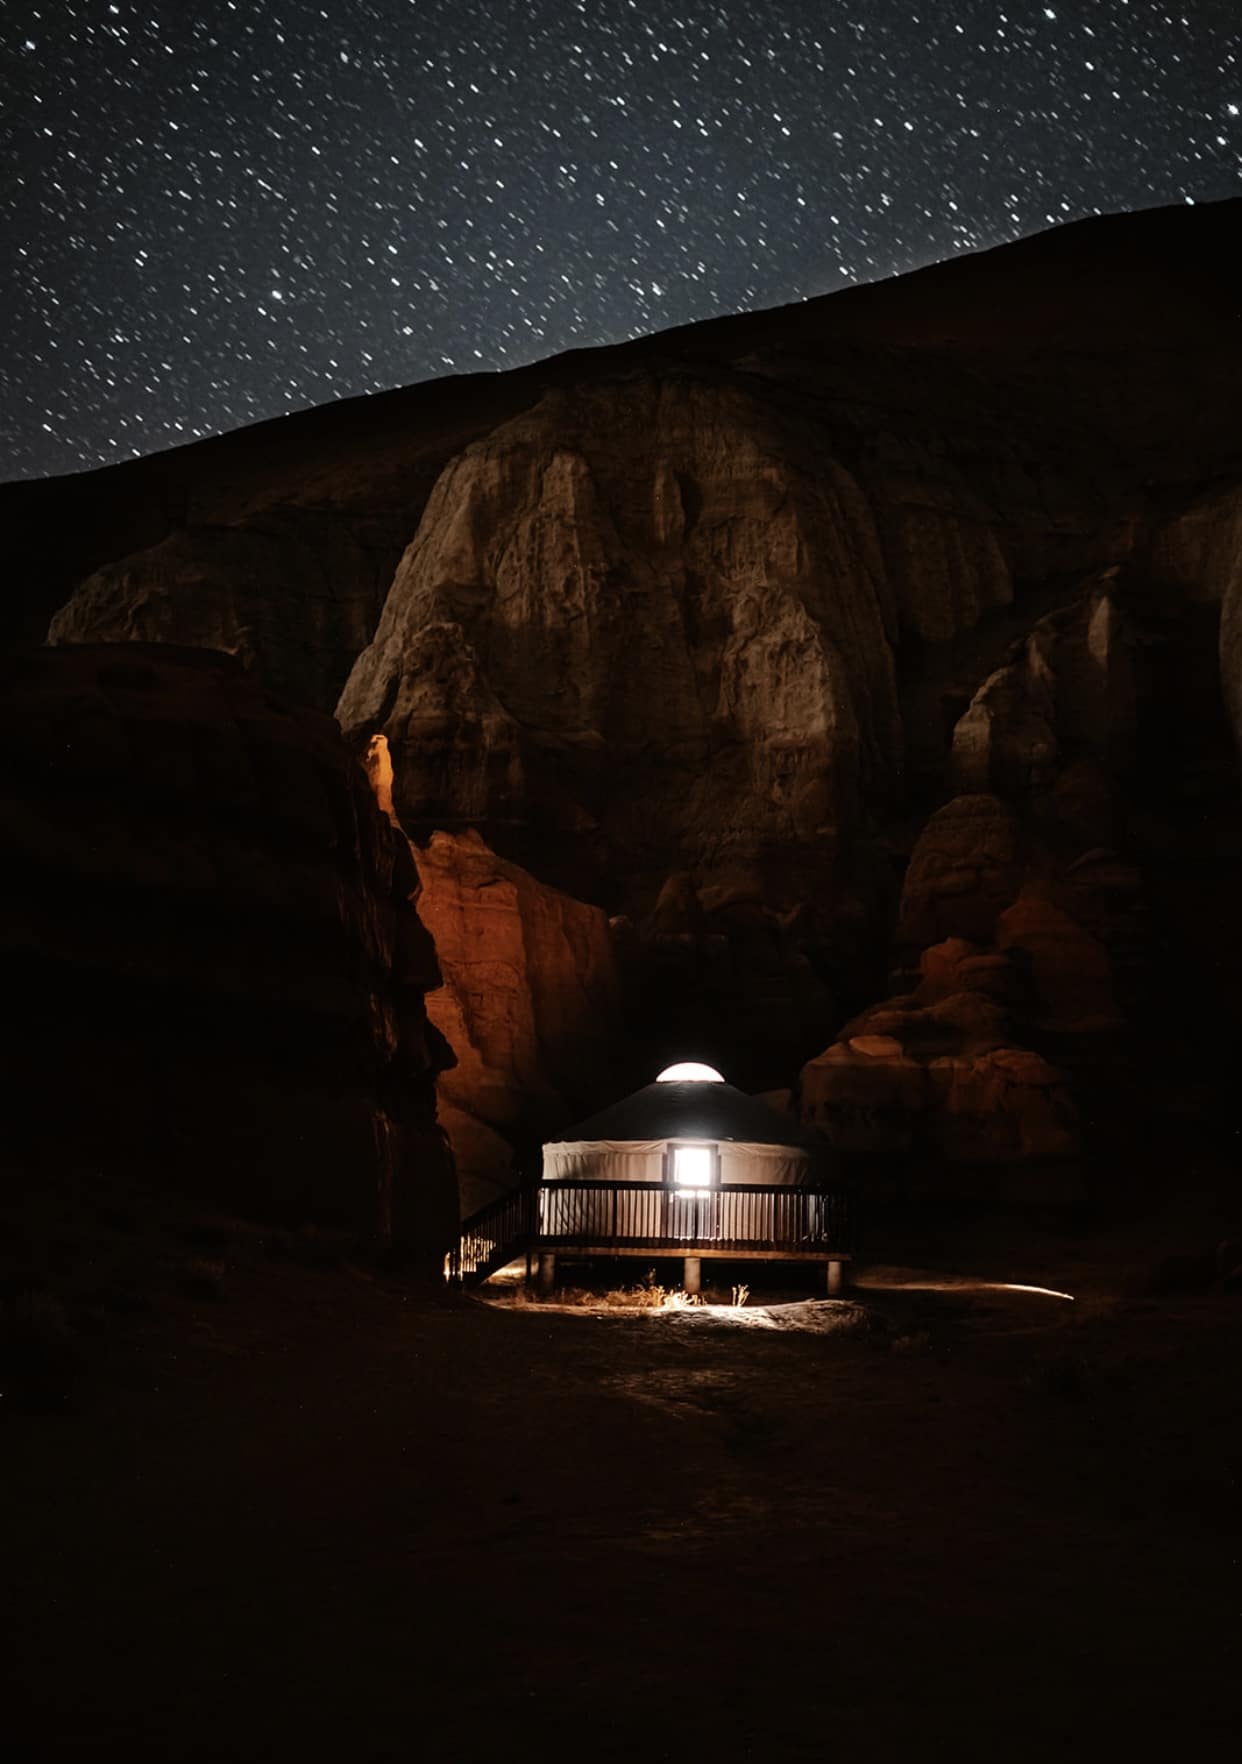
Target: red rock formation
[(940, 1075), (211, 949), (709, 605), (964, 871), (957, 1067), (529, 1006), (1067, 975)]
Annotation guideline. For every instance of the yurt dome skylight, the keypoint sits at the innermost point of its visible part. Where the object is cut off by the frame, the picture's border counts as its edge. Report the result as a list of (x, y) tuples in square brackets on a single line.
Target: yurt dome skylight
[(690, 1072)]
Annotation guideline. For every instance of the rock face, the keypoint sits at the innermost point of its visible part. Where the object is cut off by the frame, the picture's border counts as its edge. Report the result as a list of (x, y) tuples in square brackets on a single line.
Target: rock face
[(665, 630), (1069, 690), (1124, 324), (620, 639), (529, 1005), (726, 977), (937, 1072), (293, 595), (211, 949), (701, 629), (1199, 550), (648, 632), (656, 625), (965, 870), (947, 1068), (1020, 945)]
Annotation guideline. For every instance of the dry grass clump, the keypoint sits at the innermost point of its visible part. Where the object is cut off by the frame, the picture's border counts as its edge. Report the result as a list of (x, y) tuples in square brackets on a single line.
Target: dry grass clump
[(677, 1300), (647, 1295)]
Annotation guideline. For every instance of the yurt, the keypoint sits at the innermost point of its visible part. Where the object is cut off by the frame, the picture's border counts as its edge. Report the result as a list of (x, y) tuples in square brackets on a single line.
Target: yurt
[(690, 1166), (689, 1130)]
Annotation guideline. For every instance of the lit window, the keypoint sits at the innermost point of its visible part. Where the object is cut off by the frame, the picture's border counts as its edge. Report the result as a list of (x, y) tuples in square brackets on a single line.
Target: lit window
[(692, 1166)]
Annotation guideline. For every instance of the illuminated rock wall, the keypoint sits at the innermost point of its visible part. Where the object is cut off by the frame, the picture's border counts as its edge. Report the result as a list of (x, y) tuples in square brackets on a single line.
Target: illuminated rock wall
[(530, 1003)]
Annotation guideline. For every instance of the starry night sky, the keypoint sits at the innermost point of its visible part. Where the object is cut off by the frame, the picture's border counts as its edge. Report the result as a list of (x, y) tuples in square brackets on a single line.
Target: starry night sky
[(214, 211)]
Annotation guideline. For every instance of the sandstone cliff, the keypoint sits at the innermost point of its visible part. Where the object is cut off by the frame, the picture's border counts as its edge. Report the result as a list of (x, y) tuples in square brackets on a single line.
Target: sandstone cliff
[(294, 595), (634, 634), (940, 1074), (214, 969), (1058, 372), (530, 1006), (701, 630), (1078, 887)]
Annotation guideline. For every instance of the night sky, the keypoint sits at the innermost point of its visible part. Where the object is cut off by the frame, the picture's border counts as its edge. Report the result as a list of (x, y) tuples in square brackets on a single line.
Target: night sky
[(219, 210)]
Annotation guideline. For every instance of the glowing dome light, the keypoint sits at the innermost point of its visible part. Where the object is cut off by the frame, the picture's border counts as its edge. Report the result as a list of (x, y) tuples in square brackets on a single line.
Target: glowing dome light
[(690, 1072)]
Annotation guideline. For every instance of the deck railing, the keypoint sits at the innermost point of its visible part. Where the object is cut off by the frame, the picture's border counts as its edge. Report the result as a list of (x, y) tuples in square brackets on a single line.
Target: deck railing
[(650, 1215), (622, 1216)]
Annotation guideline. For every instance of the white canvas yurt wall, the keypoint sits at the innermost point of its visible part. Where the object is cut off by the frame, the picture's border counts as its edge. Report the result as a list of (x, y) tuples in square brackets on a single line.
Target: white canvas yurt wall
[(622, 1160)]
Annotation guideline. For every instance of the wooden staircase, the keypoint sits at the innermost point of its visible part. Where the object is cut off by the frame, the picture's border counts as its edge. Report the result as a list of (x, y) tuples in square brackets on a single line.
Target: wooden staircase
[(492, 1236)]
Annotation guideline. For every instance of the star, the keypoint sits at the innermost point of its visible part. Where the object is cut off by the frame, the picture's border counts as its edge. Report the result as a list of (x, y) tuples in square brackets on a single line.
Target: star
[(227, 211)]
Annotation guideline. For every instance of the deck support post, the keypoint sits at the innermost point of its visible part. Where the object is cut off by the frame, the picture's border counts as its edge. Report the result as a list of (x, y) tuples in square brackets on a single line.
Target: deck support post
[(836, 1279), (547, 1270), (692, 1272)]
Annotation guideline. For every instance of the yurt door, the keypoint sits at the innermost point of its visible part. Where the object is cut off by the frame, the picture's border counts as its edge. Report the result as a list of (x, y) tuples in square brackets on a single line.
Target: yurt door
[(692, 1193)]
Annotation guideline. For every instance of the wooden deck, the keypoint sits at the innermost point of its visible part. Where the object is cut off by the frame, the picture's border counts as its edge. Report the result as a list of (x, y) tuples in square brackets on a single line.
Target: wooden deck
[(584, 1251), (738, 1222)]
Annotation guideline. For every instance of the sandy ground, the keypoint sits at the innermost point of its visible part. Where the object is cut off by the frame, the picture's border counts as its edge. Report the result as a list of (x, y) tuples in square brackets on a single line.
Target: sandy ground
[(295, 1511)]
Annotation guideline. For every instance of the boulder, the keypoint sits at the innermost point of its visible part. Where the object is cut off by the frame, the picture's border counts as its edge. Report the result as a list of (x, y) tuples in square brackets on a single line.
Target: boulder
[(941, 1079), (867, 1103), (1007, 1106), (966, 868), (943, 1070), (957, 966), (1067, 972)]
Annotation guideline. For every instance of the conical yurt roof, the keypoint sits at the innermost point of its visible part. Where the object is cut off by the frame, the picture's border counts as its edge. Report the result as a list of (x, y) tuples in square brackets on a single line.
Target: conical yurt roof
[(712, 1110)]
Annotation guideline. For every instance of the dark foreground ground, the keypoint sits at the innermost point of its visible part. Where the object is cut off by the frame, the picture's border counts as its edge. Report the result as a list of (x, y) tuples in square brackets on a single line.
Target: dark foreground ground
[(295, 1511)]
